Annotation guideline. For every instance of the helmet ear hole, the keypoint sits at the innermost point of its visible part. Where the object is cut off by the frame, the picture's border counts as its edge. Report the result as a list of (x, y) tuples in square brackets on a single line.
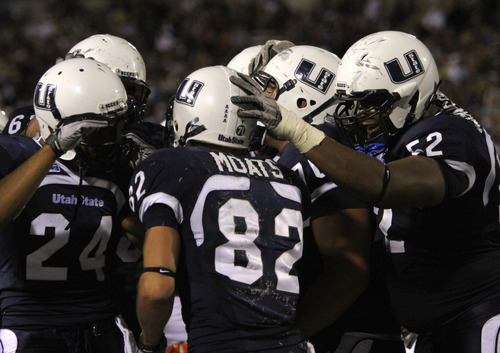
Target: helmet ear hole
[(301, 103)]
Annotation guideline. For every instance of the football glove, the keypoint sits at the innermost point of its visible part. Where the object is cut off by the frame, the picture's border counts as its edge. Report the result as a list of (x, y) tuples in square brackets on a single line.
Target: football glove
[(138, 145), (281, 123), (71, 130), (266, 53)]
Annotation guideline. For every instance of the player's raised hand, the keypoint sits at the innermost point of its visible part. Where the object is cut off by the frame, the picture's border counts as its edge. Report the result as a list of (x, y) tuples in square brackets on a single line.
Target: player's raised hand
[(71, 130), (266, 53), (281, 123), (256, 104)]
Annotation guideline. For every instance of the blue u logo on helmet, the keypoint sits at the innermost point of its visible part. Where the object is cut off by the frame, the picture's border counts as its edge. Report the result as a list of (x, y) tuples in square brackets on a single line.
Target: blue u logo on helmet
[(45, 100), (323, 80), (395, 70), (188, 93)]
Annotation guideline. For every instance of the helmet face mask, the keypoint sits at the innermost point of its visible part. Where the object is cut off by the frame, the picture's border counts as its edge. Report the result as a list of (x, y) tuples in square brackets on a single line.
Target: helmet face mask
[(202, 111), (271, 86), (363, 117), (138, 93), (102, 150), (391, 64)]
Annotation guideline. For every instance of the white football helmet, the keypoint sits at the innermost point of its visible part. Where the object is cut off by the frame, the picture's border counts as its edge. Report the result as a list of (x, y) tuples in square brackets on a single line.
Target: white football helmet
[(304, 77), (202, 110), (124, 59), (242, 60), (77, 87), (386, 72)]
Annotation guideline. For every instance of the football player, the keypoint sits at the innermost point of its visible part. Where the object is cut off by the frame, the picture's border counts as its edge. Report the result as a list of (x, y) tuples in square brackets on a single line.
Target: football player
[(63, 212), (436, 195), (224, 229), (301, 80), (125, 60)]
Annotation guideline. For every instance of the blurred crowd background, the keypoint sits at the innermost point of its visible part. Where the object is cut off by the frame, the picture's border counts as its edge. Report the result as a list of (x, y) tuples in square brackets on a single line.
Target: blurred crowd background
[(176, 37)]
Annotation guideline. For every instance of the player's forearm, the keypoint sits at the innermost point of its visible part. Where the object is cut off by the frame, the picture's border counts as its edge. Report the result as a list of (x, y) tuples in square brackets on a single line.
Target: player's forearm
[(354, 172), (18, 187), (154, 307), (414, 181)]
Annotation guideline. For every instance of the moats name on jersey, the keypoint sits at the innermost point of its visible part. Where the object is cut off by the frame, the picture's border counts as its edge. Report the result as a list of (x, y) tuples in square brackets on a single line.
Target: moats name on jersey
[(247, 166), (72, 200)]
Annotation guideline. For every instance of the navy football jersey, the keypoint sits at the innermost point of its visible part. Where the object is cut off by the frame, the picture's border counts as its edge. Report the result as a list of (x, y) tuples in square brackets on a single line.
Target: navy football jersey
[(240, 221), (371, 313), (18, 120), (445, 258), (53, 260), (326, 197)]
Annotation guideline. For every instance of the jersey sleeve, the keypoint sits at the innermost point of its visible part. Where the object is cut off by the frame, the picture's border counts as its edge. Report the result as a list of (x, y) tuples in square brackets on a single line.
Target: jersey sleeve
[(326, 197), (14, 151), (19, 120), (155, 188), (453, 142)]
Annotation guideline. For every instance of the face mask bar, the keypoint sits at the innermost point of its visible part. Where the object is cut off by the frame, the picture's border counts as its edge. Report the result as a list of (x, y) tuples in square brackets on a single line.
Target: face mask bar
[(268, 82), (138, 94), (352, 111), (168, 131)]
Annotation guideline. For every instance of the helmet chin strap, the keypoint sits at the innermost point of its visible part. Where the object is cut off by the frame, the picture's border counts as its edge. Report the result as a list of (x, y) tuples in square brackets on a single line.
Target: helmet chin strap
[(309, 117), (191, 132)]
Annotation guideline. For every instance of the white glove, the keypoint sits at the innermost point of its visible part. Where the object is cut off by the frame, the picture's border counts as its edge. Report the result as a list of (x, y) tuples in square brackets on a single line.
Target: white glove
[(266, 53), (282, 124), (71, 130)]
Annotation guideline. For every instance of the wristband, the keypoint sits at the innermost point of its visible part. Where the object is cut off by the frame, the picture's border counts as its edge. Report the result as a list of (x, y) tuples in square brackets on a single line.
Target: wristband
[(160, 346), (161, 270)]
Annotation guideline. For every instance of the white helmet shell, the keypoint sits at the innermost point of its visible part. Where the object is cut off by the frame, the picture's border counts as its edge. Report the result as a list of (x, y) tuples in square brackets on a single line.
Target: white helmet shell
[(75, 87), (117, 53), (241, 61), (125, 60), (395, 62), (203, 111), (313, 71)]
